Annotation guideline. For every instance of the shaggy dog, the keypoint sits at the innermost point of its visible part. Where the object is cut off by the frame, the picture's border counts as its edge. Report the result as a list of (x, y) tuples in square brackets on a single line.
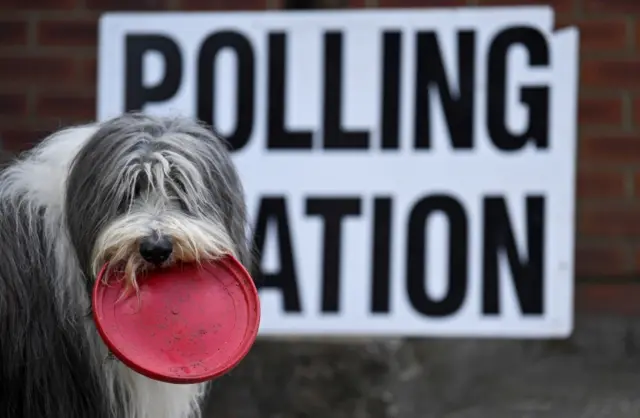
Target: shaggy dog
[(137, 191)]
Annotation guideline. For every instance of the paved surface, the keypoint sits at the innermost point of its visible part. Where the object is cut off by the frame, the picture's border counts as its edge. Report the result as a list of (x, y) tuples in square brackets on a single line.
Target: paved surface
[(595, 374)]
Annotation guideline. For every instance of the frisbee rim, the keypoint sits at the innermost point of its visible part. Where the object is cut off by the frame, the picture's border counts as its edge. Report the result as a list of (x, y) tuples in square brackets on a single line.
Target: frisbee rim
[(237, 270)]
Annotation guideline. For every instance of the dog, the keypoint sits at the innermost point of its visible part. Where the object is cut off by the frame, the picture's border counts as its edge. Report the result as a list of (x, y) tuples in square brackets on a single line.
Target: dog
[(139, 191)]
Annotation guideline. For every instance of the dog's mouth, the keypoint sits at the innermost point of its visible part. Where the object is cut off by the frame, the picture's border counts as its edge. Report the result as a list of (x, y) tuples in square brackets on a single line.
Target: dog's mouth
[(134, 270), (130, 271), (130, 266)]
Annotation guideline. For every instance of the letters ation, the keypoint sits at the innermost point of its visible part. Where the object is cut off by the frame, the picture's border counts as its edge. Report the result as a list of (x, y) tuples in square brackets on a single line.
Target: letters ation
[(381, 255), (274, 209), (332, 211), (496, 230), (527, 272), (458, 255)]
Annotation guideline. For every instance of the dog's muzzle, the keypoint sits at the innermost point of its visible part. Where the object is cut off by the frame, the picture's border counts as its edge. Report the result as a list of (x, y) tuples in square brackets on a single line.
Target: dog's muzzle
[(156, 249)]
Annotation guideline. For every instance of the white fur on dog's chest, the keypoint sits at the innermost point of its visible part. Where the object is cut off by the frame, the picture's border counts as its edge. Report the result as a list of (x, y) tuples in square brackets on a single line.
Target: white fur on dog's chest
[(157, 399)]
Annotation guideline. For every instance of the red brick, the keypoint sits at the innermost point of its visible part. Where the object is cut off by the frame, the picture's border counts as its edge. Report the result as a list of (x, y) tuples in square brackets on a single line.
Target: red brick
[(601, 184), (421, 3), (600, 111), (36, 69), (637, 34), (13, 32), (610, 149), (38, 4), (67, 32), (610, 73), (611, 6), (636, 184), (608, 299), (13, 104), (89, 71), (611, 221), (636, 111), (67, 106), (21, 139), (636, 260), (223, 4), (560, 6), (602, 34), (127, 4), (602, 260)]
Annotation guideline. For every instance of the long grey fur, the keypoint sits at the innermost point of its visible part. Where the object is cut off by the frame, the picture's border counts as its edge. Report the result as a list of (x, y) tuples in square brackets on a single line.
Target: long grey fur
[(58, 203)]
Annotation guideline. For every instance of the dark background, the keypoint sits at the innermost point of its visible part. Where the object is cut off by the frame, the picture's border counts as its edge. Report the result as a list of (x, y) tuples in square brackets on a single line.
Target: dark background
[(47, 80)]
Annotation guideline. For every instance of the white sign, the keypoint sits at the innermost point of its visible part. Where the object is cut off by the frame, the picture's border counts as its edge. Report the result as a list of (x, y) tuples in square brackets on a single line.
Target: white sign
[(408, 172)]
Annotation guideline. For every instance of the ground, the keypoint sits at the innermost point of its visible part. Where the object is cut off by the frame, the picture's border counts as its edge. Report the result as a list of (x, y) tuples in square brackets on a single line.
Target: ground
[(595, 374)]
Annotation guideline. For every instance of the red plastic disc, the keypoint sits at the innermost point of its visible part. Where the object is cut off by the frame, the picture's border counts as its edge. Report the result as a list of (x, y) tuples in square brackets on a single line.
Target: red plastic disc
[(187, 324)]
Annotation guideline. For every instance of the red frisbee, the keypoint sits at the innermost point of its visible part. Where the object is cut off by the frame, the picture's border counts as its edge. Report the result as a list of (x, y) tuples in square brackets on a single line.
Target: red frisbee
[(187, 324)]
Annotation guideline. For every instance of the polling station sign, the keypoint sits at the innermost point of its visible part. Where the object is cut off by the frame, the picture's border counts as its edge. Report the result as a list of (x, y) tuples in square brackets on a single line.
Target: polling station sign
[(408, 172)]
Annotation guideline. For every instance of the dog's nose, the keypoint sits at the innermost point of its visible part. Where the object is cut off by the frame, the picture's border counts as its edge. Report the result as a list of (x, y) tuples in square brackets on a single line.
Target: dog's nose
[(156, 249)]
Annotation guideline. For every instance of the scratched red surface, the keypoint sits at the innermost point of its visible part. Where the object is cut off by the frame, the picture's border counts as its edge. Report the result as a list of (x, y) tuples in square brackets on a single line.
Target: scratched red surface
[(188, 324)]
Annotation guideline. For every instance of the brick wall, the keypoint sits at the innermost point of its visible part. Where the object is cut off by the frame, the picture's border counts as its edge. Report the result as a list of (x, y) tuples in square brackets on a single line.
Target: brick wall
[(47, 79)]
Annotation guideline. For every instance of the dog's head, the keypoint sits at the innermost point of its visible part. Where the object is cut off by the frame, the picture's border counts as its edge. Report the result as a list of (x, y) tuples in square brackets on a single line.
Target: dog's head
[(145, 192)]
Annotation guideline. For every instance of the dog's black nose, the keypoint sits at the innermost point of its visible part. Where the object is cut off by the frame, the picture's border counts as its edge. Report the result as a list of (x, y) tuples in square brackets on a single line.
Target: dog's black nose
[(156, 249)]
